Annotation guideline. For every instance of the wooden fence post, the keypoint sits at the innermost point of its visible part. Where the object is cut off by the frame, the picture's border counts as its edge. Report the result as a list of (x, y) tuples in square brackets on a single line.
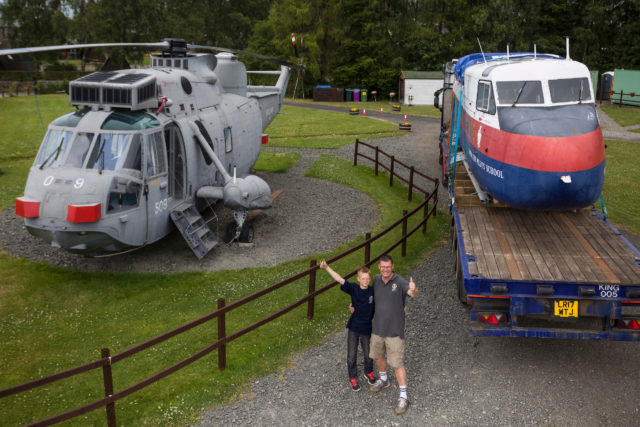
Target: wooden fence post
[(393, 160), (377, 152), (108, 387), (367, 249), (312, 289), (222, 333), (355, 153), (425, 213), (404, 233), (411, 183), (435, 197)]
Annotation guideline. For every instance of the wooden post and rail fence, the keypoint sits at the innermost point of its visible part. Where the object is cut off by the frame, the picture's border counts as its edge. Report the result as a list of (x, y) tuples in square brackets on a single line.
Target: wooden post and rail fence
[(427, 208)]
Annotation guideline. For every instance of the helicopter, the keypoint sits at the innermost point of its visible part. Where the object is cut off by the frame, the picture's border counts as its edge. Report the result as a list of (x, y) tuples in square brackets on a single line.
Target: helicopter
[(147, 149), (528, 128)]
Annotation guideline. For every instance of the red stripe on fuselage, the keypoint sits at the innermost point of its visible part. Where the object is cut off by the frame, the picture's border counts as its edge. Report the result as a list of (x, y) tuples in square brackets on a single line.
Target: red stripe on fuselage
[(548, 154)]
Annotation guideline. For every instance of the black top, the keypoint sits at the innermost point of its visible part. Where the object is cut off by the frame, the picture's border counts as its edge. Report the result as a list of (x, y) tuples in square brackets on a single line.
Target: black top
[(362, 301)]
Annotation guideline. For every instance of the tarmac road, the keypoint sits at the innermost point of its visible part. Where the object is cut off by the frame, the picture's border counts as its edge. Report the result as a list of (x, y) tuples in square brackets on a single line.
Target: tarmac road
[(453, 378)]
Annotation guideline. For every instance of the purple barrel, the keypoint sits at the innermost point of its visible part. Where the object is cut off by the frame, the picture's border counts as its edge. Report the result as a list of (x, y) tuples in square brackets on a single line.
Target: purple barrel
[(356, 95)]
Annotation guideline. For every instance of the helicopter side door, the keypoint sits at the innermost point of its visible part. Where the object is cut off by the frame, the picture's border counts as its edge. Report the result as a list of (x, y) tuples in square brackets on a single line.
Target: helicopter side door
[(177, 165), (156, 186)]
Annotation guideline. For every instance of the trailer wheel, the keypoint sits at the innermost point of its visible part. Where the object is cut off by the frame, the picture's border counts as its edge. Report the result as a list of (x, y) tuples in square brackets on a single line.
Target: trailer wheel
[(462, 291)]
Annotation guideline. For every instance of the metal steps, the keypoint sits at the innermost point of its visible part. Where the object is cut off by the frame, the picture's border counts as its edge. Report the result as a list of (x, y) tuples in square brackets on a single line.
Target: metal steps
[(194, 229)]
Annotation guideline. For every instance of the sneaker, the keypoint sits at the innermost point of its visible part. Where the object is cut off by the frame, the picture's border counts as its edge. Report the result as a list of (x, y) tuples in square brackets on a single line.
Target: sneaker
[(354, 384), (371, 378), (379, 385), (402, 406)]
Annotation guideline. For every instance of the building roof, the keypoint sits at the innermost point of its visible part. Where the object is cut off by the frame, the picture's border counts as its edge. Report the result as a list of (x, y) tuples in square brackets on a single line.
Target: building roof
[(421, 75)]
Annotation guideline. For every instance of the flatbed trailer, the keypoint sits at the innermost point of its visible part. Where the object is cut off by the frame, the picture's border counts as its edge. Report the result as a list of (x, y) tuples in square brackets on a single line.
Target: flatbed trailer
[(545, 274)]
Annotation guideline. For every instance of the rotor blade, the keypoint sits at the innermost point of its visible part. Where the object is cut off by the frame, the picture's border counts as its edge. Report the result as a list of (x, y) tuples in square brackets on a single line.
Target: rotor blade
[(244, 52), (17, 51)]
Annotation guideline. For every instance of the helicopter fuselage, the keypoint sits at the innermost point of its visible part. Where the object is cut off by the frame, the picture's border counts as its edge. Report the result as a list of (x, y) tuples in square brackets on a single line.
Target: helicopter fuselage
[(107, 176)]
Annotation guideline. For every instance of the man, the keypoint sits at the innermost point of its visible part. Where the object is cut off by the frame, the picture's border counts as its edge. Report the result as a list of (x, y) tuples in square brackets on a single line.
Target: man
[(387, 335)]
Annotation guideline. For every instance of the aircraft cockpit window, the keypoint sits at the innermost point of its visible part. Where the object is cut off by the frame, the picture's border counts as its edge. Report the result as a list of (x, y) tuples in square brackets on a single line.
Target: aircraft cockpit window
[(129, 120), (484, 98), (71, 120), (570, 90), (79, 149), (134, 155), (156, 155), (53, 148), (520, 92), (109, 151)]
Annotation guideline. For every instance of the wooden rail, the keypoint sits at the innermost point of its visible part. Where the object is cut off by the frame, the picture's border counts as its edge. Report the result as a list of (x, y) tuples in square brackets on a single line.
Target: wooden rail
[(427, 209)]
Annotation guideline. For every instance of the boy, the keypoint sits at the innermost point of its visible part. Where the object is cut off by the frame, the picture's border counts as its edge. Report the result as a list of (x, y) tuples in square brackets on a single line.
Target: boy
[(359, 323)]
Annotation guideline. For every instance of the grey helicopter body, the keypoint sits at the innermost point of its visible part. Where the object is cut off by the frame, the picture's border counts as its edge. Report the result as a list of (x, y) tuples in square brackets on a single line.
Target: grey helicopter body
[(148, 145)]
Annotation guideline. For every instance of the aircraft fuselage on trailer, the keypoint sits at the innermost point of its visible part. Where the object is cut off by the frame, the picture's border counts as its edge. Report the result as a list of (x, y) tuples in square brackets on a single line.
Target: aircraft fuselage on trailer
[(529, 129)]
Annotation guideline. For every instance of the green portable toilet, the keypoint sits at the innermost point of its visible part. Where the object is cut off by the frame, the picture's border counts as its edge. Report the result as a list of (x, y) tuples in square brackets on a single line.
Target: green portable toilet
[(348, 94), (363, 95)]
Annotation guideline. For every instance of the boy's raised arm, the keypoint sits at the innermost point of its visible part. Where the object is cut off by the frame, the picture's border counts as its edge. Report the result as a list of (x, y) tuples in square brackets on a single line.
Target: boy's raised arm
[(336, 276)]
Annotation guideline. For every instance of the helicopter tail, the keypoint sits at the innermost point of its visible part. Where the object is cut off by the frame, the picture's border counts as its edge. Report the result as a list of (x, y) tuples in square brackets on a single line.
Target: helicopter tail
[(270, 98)]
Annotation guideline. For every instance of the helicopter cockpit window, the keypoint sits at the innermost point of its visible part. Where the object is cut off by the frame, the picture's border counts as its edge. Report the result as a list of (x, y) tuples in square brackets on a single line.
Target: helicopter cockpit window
[(129, 120), (79, 150), (156, 155), (109, 151), (570, 90), (520, 92), (53, 148), (71, 120), (484, 98)]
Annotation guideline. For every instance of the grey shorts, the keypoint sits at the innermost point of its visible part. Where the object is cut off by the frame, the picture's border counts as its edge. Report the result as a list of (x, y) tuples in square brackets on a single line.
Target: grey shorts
[(393, 346)]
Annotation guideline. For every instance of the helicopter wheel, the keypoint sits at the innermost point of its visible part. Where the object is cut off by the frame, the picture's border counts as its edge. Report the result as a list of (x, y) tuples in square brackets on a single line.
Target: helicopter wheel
[(246, 236), (230, 232)]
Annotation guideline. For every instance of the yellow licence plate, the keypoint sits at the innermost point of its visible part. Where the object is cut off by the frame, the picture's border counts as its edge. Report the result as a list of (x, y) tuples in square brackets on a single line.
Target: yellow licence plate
[(565, 308)]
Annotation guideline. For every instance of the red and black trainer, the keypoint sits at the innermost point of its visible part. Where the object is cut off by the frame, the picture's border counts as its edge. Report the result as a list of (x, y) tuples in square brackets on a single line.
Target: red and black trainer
[(354, 384), (371, 378)]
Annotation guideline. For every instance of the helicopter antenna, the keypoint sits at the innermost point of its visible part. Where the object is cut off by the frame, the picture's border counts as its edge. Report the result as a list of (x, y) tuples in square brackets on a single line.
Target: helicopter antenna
[(567, 54), (481, 51)]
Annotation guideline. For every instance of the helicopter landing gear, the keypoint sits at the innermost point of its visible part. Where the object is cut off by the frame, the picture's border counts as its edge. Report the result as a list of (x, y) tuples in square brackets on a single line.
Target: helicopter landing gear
[(242, 234), (239, 229)]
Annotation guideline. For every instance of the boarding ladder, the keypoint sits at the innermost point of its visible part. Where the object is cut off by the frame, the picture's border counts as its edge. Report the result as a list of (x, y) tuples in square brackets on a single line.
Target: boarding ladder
[(194, 229)]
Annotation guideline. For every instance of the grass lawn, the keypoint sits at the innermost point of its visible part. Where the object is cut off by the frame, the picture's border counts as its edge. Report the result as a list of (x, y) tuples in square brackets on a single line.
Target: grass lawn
[(53, 319), (328, 129), (371, 106), (276, 161), (624, 116), (621, 192)]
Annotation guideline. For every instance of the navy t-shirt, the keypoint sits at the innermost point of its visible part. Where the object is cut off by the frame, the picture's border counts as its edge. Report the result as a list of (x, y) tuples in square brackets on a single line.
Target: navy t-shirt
[(362, 301)]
